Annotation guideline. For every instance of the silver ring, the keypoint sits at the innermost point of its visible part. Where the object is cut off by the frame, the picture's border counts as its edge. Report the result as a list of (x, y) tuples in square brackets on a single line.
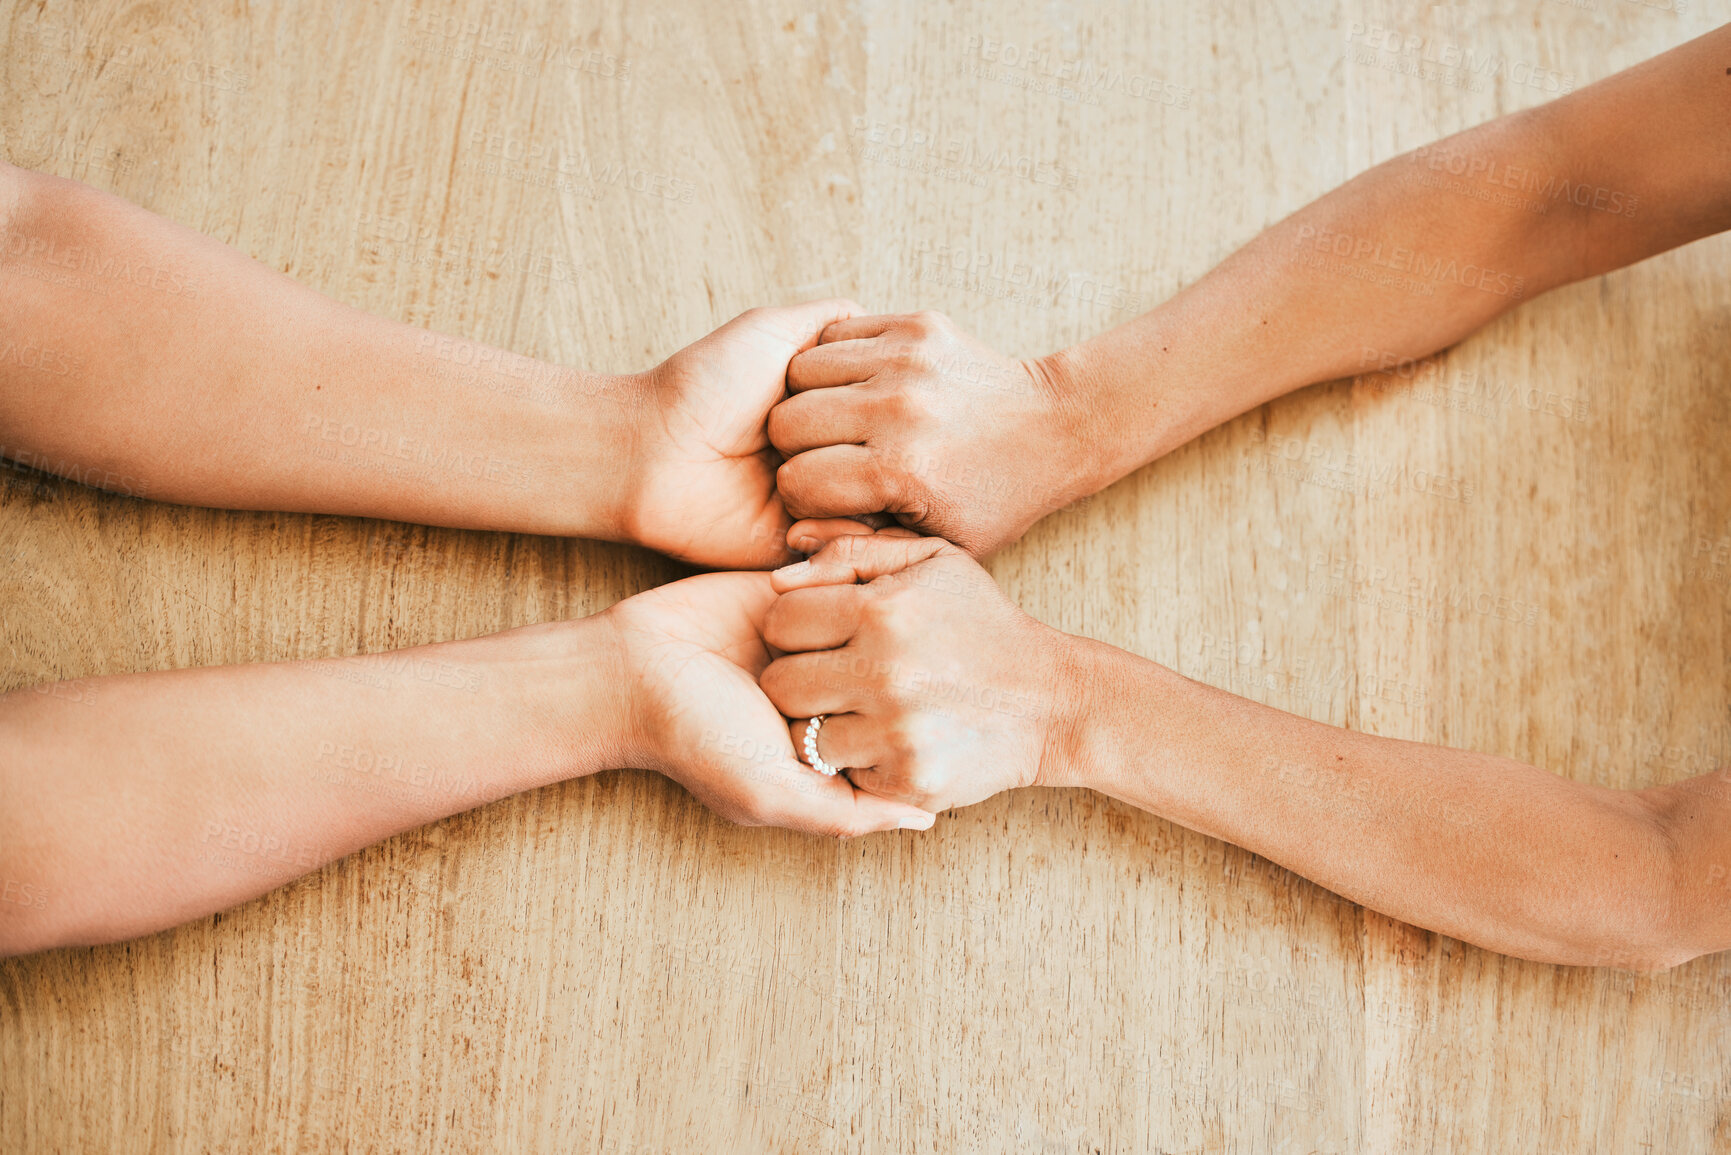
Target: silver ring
[(811, 754)]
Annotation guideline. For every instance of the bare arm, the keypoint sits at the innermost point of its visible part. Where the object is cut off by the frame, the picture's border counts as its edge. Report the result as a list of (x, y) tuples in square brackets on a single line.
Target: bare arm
[(907, 414), (942, 693), (1483, 848), (129, 804), (139, 355), (1422, 250)]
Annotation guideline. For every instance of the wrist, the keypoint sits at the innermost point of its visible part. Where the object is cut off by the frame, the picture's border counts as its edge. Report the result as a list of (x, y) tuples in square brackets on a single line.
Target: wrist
[(566, 689), (1089, 426), (600, 446), (1069, 756)]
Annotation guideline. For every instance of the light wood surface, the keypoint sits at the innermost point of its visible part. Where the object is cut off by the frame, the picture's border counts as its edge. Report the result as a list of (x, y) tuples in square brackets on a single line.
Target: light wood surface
[(604, 966)]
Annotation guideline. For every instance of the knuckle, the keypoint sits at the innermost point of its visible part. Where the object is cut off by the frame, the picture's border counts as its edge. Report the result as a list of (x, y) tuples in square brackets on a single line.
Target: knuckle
[(776, 622), (903, 749), (925, 782), (774, 682), (851, 827), (880, 612), (898, 408), (887, 481), (849, 547), (740, 812), (912, 358), (792, 484), (780, 426), (927, 321)]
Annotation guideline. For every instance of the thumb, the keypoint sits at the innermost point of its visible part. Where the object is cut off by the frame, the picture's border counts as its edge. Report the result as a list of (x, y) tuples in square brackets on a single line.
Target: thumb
[(836, 807), (799, 326), (813, 533), (860, 557)]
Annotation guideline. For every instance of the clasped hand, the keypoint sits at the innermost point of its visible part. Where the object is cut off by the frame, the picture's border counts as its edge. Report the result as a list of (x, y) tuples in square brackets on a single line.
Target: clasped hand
[(939, 692)]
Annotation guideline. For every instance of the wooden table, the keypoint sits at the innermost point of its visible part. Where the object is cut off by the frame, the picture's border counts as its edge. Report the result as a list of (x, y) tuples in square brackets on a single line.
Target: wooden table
[(1528, 552)]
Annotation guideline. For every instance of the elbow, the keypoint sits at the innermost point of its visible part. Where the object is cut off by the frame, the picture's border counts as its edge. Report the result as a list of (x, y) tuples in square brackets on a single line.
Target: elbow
[(1673, 910)]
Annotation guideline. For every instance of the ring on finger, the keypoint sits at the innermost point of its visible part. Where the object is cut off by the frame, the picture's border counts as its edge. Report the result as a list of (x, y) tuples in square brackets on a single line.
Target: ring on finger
[(811, 755)]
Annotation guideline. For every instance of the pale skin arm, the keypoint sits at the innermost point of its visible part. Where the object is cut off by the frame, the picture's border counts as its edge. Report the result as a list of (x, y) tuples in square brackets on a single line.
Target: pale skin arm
[(944, 693), (141, 356), (133, 803), (908, 415)]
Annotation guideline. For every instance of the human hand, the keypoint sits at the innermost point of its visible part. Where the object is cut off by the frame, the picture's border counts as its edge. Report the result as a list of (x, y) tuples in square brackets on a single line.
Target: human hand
[(910, 416), (690, 653), (703, 470), (937, 690)]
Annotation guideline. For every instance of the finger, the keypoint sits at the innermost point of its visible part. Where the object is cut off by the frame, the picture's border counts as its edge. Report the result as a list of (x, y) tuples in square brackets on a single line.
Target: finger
[(840, 363), (814, 619), (801, 325), (814, 533), (824, 417), (849, 741), (883, 781), (833, 807), (821, 682), (858, 558), (837, 481), (855, 327)]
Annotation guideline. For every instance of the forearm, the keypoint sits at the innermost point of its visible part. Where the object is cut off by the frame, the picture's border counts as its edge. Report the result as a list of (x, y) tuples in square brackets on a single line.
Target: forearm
[(1482, 848), (1415, 254), (143, 356), (133, 803)]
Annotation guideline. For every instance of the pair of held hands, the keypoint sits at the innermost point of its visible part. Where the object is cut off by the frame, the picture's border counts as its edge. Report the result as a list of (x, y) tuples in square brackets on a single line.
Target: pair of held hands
[(813, 411), (939, 691)]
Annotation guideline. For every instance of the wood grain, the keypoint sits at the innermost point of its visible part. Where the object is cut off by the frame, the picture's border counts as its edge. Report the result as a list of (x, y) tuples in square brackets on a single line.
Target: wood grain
[(603, 966)]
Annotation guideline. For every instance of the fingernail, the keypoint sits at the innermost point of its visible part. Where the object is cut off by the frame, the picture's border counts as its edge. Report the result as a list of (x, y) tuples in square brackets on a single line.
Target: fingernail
[(922, 822), (807, 545), (797, 570)]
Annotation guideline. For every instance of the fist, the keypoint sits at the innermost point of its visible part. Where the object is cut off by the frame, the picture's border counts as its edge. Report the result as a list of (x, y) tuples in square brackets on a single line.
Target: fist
[(701, 466), (937, 691), (909, 416), (688, 656)]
